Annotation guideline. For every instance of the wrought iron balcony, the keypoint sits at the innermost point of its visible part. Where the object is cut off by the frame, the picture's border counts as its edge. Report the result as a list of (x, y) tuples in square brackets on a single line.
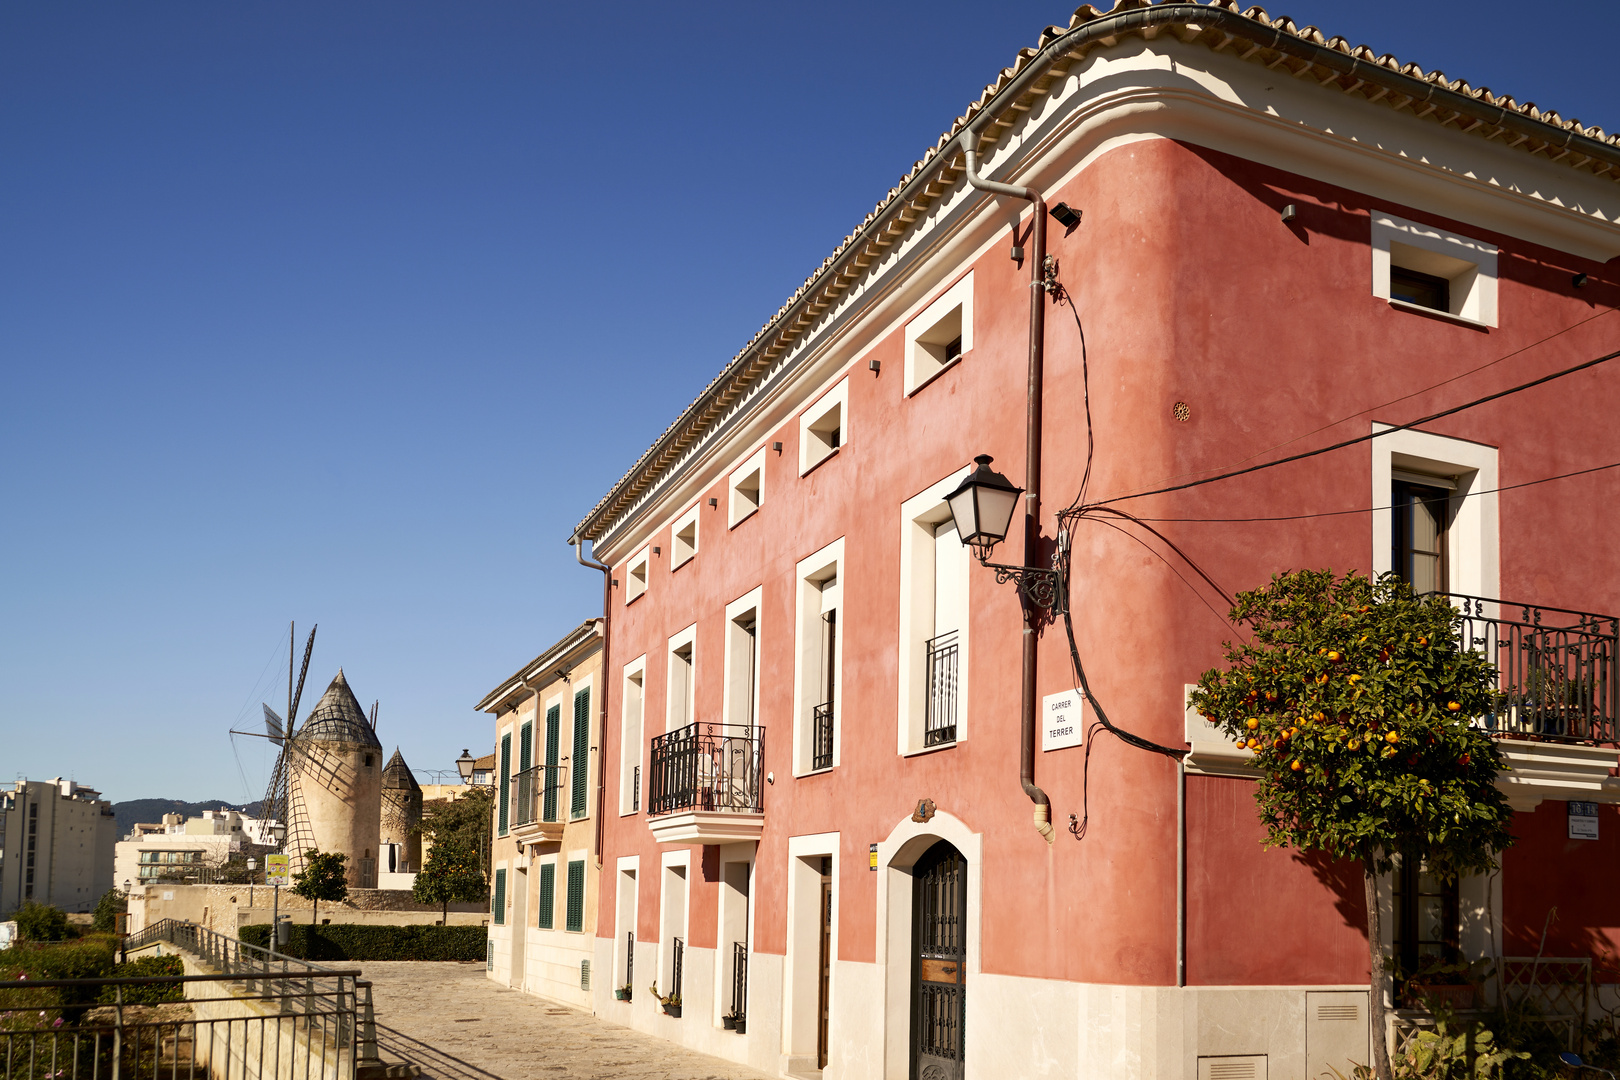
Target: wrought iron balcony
[(939, 724), (704, 784), (538, 807), (1558, 678), (821, 735)]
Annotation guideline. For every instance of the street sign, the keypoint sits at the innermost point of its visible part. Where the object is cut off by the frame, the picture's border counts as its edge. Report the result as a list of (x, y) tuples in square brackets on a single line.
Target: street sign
[(1583, 821), (1062, 722), (275, 870)]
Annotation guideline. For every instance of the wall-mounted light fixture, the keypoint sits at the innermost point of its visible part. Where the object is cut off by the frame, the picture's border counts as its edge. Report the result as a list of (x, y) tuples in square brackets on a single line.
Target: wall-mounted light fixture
[(658, 550), (1289, 213), (777, 447), (1066, 215), (1579, 281), (982, 508), (875, 365), (713, 503)]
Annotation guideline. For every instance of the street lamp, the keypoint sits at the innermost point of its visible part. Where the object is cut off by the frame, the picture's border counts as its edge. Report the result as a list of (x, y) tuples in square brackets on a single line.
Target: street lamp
[(128, 885), (982, 509), (464, 765)]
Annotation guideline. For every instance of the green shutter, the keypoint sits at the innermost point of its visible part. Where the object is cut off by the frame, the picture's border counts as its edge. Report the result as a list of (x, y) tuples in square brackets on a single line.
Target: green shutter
[(526, 748), (506, 780), (500, 898), (579, 765), (553, 735), (576, 896), (548, 896)]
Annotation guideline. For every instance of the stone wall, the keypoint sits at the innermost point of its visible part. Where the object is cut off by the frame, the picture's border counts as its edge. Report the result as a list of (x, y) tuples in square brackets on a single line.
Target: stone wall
[(225, 909)]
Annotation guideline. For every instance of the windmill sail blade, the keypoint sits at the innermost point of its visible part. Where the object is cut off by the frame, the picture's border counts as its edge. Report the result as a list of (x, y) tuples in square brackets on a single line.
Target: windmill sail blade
[(272, 725)]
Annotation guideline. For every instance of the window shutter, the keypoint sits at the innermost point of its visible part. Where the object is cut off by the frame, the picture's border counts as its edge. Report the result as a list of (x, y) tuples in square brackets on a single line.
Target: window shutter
[(526, 748), (548, 895), (506, 780), (553, 738), (576, 896), (500, 898), (579, 764)]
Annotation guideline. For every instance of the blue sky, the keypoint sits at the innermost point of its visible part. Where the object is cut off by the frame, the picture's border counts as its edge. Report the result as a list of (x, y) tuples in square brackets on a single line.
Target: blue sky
[(347, 313)]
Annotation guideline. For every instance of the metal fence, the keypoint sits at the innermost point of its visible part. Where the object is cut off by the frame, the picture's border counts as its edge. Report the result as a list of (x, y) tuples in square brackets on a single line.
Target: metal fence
[(939, 724), (535, 794), (821, 737), (1557, 670), (706, 767), (260, 1015), (679, 948), (739, 980)]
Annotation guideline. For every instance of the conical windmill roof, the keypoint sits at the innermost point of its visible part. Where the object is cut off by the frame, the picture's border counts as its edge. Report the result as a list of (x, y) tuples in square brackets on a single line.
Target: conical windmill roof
[(338, 717), (397, 774)]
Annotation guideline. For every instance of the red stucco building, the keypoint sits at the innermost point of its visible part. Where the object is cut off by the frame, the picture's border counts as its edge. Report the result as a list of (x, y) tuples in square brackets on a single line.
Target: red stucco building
[(814, 698)]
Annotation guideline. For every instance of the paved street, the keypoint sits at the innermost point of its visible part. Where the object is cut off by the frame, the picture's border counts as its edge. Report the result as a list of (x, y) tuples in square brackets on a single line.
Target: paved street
[(457, 1025)]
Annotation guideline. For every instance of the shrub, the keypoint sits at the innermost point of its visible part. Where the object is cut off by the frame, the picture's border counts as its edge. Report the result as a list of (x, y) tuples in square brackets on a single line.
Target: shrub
[(91, 958), (41, 922), (358, 942), (148, 967), (112, 904)]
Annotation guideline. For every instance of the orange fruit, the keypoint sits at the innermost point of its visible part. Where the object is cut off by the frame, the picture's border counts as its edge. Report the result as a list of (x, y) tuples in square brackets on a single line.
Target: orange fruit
[(1251, 723), (1297, 765), (1453, 706), (1392, 737)]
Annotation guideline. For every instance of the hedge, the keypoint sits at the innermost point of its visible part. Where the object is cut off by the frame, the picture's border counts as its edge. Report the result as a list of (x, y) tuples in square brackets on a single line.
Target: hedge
[(148, 967), (352, 941)]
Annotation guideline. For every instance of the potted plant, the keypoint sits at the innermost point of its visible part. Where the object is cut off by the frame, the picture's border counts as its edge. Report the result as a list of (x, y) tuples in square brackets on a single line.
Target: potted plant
[(742, 1025), (1452, 986), (622, 993), (670, 1002), (729, 1021)]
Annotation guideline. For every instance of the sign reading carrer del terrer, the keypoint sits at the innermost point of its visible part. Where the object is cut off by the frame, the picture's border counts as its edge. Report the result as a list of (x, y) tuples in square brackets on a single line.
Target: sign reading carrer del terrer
[(1062, 722)]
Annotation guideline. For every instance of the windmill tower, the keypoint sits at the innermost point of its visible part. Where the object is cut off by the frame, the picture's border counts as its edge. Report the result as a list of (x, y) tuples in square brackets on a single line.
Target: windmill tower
[(334, 784), (402, 813)]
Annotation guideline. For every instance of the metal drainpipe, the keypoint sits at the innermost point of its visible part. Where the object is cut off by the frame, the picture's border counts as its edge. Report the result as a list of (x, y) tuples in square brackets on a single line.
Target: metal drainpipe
[(578, 543), (1181, 873), (1032, 466)]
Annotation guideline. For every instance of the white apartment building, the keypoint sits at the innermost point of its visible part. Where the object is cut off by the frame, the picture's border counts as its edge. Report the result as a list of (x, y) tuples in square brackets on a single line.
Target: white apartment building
[(56, 845), (179, 849)]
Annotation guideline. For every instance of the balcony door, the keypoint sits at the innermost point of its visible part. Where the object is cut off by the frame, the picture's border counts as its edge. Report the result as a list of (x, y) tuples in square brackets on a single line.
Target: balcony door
[(1422, 513), (939, 963)]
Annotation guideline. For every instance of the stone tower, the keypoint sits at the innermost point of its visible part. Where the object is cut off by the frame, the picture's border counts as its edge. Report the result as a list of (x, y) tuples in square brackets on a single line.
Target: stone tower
[(335, 784), (402, 813)]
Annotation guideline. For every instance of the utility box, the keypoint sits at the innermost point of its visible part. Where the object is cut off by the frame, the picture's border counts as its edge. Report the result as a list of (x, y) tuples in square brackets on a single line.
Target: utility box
[(1336, 1031)]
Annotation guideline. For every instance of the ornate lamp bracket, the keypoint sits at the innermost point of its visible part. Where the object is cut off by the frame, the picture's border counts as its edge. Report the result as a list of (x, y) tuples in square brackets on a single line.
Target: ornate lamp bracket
[(1041, 587)]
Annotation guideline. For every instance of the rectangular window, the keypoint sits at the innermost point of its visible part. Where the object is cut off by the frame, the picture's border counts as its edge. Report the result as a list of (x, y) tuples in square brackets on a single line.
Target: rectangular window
[(498, 902), (818, 678), (1421, 512), (742, 662), (548, 895), (683, 542), (506, 782), (679, 707), (933, 650), (579, 764), (824, 427), (523, 796), (1418, 266), (548, 801), (576, 896), (636, 576), (747, 488), (1428, 921), (630, 737), (939, 335)]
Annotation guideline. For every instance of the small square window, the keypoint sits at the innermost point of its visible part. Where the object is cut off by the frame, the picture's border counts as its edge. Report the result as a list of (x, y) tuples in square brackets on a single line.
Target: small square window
[(747, 488), (636, 577), (1420, 267), (683, 542), (823, 427), (939, 335)]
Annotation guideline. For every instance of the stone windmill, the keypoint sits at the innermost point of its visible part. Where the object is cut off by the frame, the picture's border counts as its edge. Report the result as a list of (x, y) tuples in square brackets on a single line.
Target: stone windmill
[(402, 813)]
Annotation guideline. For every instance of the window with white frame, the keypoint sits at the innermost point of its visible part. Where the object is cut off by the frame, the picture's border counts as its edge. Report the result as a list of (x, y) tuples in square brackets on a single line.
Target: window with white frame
[(672, 924), (679, 707), (1423, 268), (939, 335), (742, 661), (683, 539), (934, 567), (630, 735), (824, 427), (636, 576), (1436, 511), (818, 672), (747, 488)]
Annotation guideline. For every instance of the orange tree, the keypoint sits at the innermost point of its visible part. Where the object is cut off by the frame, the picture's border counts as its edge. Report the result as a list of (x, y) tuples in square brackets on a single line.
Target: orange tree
[(1356, 698)]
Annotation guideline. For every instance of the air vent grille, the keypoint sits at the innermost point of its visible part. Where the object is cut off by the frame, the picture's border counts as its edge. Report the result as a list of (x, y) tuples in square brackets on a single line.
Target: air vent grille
[(1338, 1012), (584, 974), (1232, 1068)]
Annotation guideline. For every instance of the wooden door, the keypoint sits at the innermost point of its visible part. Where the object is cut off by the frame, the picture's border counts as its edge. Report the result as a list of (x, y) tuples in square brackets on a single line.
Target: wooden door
[(939, 966), (825, 984)]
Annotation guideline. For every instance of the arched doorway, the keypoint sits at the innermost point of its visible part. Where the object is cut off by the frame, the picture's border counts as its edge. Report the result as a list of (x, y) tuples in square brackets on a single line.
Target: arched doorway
[(939, 963)]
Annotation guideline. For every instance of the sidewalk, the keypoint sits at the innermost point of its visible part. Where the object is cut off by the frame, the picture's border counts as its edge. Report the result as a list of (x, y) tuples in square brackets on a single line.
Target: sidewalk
[(457, 1025)]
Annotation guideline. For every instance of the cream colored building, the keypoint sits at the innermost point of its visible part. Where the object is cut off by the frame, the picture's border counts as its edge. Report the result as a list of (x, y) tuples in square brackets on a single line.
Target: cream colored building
[(545, 857), (56, 845), (185, 849)]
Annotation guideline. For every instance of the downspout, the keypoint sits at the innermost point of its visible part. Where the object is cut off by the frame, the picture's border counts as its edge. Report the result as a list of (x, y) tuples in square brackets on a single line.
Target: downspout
[(1181, 872), (578, 543), (1032, 461)]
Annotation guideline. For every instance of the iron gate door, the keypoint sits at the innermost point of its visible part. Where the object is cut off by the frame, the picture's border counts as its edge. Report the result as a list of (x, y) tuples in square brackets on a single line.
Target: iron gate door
[(939, 970)]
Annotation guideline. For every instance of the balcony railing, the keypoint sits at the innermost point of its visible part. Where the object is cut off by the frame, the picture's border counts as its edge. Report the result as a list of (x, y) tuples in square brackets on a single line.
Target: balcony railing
[(706, 767), (821, 737), (739, 980), (1557, 670), (939, 724), (535, 795)]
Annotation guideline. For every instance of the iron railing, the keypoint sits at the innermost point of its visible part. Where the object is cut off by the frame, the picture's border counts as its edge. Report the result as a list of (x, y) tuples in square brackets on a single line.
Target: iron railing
[(706, 767), (821, 736), (739, 980), (262, 1012), (635, 789), (678, 948), (1557, 669), (535, 794), (939, 721), (629, 965)]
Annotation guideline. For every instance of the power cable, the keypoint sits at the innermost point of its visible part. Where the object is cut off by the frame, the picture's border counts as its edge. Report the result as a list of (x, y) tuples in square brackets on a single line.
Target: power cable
[(1371, 435)]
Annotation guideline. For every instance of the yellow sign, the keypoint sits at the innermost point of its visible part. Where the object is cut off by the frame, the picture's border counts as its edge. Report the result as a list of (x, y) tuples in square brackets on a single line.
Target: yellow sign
[(275, 870)]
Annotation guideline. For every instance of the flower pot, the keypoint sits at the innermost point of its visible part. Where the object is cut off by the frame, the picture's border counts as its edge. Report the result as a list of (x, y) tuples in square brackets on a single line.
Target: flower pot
[(673, 1010), (621, 995), (1456, 996), (729, 1023), (742, 1026)]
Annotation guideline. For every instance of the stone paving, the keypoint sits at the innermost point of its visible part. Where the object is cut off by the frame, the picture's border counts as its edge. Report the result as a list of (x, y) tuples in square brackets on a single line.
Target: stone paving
[(454, 1023)]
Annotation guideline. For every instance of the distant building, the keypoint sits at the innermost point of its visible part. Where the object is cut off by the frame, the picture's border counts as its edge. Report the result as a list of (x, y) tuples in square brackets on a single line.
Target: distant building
[(399, 848), (181, 849), (56, 845)]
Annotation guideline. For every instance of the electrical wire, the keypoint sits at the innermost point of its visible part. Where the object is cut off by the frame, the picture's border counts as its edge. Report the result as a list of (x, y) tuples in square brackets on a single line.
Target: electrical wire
[(1371, 435)]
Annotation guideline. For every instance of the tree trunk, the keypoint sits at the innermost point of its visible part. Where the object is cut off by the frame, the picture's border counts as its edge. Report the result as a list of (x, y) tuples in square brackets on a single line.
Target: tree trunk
[(444, 916), (314, 909), (1377, 972)]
